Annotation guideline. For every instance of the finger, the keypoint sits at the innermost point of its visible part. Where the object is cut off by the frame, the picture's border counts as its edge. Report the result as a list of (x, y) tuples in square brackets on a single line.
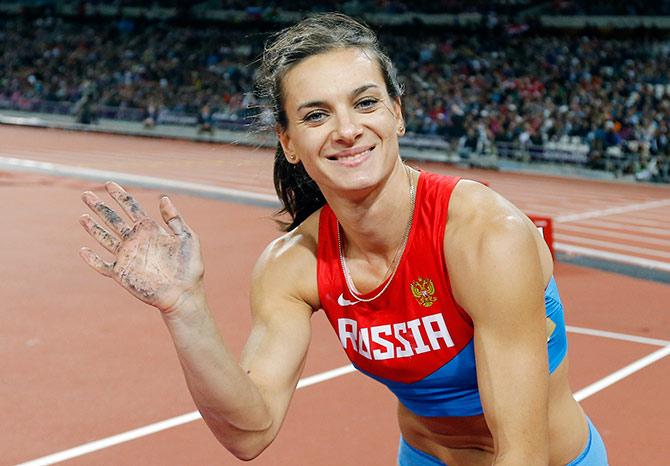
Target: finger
[(102, 236), (171, 216), (108, 215), (127, 202), (95, 262)]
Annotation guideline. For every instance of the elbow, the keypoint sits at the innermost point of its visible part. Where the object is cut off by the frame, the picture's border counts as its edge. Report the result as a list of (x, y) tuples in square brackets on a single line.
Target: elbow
[(246, 445), (245, 442), (246, 455), (247, 450)]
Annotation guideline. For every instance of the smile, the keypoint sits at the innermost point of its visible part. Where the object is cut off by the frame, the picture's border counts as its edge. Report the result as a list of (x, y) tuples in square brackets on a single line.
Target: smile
[(351, 156)]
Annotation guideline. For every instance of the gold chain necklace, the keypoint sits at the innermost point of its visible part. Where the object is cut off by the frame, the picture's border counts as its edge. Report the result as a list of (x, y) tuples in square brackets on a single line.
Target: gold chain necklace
[(390, 273)]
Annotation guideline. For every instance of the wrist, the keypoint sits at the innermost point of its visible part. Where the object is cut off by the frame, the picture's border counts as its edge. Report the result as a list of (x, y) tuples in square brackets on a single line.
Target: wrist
[(188, 303)]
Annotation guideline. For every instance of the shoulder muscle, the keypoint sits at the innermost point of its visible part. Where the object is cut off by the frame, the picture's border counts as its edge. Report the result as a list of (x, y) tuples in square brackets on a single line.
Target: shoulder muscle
[(286, 271), (491, 245)]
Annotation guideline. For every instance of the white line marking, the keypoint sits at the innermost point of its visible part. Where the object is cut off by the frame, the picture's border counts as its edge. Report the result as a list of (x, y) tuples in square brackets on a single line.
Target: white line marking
[(599, 225), (612, 256), (611, 211), (637, 221), (305, 382), (331, 374), (617, 336), (160, 183), (138, 180), (324, 376), (608, 244), (621, 374), (638, 238), (163, 425), (113, 440)]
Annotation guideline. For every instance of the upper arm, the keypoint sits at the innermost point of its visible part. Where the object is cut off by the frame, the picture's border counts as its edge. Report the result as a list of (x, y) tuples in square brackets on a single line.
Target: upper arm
[(497, 277), (282, 300)]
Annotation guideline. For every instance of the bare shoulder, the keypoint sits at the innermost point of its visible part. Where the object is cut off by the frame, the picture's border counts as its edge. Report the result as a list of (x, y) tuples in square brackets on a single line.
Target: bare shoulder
[(488, 237), (477, 212), (286, 270)]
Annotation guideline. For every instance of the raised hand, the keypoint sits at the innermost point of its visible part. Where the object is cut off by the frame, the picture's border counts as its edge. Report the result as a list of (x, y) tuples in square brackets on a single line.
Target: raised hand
[(158, 266)]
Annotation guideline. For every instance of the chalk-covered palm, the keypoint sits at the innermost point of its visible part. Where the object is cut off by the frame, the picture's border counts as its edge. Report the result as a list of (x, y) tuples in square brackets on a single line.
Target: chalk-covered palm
[(156, 265)]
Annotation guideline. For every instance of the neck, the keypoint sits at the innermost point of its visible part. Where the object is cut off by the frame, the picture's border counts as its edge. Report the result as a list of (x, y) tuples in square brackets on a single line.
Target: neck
[(373, 225)]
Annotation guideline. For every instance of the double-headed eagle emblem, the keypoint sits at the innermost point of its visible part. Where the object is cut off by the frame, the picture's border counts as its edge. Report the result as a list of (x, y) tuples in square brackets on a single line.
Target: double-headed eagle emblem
[(423, 290)]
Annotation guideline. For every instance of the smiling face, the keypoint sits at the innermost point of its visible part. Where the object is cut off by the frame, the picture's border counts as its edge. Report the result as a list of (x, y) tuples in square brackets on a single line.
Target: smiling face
[(341, 122)]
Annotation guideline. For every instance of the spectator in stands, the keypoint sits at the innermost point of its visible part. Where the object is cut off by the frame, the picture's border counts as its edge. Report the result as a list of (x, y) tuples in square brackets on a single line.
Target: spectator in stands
[(533, 89), (85, 109), (150, 116), (205, 120)]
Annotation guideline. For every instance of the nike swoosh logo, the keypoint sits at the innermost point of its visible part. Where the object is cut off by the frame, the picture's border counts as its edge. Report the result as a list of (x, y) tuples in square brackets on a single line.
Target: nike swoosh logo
[(342, 301)]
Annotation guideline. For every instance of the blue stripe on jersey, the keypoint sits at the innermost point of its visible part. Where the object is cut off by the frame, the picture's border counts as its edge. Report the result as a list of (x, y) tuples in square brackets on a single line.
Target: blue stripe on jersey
[(558, 341), (452, 389), (449, 391)]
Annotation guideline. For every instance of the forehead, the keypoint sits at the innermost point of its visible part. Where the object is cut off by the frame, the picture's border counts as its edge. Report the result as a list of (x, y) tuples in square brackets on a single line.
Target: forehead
[(330, 74)]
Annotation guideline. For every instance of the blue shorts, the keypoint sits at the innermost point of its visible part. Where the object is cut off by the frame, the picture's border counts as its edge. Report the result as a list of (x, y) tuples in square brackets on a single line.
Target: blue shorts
[(410, 456), (593, 455)]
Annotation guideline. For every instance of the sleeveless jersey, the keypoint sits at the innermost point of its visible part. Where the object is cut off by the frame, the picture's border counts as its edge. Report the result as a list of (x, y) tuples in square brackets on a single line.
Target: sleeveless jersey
[(415, 338)]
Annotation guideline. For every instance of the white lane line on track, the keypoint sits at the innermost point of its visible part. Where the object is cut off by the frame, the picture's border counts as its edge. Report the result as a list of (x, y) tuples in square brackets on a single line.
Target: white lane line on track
[(617, 336), (621, 373), (113, 440), (602, 225), (662, 254), (612, 211), (136, 180), (612, 256), (163, 425), (635, 221), (331, 374), (638, 238)]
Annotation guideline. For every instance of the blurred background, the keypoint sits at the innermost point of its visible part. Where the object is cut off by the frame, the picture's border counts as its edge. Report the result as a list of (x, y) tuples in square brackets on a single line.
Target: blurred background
[(495, 91), (576, 86)]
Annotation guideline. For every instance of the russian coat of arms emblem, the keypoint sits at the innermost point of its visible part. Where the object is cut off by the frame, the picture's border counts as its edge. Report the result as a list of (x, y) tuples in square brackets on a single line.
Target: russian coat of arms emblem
[(423, 290)]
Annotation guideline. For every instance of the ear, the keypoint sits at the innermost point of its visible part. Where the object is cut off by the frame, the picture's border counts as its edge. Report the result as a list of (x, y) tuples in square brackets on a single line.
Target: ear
[(286, 144), (400, 121)]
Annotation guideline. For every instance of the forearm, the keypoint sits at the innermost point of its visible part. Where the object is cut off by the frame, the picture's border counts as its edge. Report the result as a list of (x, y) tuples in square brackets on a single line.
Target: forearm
[(230, 403)]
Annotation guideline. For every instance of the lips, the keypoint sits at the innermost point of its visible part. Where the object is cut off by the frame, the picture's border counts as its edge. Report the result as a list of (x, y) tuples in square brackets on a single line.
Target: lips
[(351, 155)]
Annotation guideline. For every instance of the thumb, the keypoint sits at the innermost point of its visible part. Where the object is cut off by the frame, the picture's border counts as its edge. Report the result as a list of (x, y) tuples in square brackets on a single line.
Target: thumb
[(171, 216)]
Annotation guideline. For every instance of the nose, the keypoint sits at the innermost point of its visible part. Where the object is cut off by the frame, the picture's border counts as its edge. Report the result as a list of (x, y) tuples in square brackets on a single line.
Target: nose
[(348, 129)]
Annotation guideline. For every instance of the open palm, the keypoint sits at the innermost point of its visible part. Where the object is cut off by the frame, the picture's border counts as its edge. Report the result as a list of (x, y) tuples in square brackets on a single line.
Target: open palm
[(156, 265)]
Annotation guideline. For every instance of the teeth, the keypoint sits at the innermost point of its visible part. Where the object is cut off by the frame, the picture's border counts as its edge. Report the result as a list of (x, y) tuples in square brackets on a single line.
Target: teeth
[(357, 155), (350, 157)]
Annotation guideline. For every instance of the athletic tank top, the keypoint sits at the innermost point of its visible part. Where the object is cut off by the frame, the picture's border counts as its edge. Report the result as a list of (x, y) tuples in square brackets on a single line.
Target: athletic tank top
[(415, 338)]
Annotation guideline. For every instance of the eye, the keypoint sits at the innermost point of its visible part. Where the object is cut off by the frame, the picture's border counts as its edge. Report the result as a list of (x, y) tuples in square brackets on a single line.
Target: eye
[(314, 117), (368, 103)]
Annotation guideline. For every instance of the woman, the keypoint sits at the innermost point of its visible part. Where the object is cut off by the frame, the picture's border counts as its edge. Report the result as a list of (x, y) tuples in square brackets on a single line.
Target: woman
[(437, 287)]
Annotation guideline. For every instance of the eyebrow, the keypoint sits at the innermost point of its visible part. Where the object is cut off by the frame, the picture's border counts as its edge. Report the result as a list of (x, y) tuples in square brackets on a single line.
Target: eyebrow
[(354, 93)]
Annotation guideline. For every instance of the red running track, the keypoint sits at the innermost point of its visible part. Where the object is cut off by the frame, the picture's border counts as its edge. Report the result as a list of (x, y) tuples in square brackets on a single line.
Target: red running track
[(628, 223), (84, 361)]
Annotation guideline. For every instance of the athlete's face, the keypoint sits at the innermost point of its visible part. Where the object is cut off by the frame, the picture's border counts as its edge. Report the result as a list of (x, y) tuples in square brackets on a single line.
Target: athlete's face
[(342, 124)]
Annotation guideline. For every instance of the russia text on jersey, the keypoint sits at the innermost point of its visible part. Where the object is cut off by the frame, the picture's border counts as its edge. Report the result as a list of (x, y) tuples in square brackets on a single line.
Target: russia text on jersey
[(388, 341)]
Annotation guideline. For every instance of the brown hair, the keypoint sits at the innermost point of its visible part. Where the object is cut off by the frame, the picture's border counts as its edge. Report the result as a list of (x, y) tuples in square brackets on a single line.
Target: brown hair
[(299, 194)]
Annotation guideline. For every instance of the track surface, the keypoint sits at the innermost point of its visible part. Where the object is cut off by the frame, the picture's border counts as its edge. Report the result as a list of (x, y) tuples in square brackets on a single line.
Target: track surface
[(83, 361), (613, 221)]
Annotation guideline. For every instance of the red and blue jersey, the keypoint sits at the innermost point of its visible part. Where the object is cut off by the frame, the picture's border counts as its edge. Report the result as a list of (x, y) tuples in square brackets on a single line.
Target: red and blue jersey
[(414, 337)]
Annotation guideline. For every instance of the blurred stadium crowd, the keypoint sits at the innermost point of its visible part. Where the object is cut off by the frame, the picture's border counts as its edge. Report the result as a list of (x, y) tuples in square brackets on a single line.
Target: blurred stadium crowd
[(508, 89)]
